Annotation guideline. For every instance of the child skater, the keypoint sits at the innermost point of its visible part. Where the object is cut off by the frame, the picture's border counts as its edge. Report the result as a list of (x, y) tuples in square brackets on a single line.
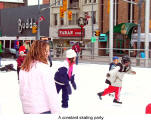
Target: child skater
[(115, 76), (65, 75), (112, 66), (20, 60)]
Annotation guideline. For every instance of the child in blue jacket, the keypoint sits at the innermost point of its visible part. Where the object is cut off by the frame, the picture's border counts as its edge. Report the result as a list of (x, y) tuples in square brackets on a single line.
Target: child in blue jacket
[(64, 76)]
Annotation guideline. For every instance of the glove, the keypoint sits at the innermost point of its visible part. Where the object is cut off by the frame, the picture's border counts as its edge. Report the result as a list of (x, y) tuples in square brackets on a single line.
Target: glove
[(73, 82), (107, 75), (107, 82), (69, 89)]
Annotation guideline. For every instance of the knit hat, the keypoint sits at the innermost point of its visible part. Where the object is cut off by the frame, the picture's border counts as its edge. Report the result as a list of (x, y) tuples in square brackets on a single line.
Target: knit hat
[(70, 53), (115, 57)]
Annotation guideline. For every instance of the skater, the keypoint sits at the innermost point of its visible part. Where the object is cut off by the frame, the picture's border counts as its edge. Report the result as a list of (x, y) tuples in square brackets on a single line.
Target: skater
[(148, 109), (115, 76), (16, 46), (64, 76), (1, 50), (77, 49), (20, 60), (38, 92), (50, 45), (112, 66)]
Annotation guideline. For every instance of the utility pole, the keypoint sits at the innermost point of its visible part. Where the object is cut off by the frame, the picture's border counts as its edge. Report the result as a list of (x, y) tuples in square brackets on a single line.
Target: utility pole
[(38, 32), (92, 19), (147, 18), (111, 31), (139, 31)]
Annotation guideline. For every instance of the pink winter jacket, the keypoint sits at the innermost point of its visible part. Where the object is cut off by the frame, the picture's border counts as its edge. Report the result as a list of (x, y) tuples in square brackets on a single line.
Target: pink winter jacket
[(37, 90)]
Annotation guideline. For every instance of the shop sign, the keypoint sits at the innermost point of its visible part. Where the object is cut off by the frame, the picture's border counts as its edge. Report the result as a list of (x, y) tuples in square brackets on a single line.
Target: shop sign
[(71, 32), (28, 24)]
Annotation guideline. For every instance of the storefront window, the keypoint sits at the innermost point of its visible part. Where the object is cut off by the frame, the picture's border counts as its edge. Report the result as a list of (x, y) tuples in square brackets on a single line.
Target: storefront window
[(61, 21), (55, 19)]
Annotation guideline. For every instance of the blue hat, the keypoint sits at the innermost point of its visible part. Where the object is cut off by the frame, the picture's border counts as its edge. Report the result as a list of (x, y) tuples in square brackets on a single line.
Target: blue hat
[(115, 57)]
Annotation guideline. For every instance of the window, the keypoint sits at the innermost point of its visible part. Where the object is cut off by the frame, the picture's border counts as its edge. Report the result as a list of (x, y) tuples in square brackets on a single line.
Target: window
[(74, 20), (87, 16), (131, 12), (85, 1), (94, 1), (94, 17), (62, 21), (73, 4), (55, 19), (102, 10)]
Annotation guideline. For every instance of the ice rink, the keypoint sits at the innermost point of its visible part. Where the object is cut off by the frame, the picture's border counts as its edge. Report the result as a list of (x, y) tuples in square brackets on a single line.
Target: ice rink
[(90, 79)]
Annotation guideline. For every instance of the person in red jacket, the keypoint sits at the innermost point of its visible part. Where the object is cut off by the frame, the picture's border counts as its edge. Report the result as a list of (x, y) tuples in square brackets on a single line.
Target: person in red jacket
[(77, 49), (20, 60), (148, 109)]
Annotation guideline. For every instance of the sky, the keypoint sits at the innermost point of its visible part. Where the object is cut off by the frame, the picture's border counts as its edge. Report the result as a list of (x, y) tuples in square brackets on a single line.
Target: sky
[(90, 80), (33, 2)]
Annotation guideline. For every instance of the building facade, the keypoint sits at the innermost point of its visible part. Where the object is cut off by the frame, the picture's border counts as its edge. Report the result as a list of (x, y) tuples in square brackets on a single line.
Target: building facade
[(123, 13), (19, 22), (65, 32), (46, 1), (8, 4)]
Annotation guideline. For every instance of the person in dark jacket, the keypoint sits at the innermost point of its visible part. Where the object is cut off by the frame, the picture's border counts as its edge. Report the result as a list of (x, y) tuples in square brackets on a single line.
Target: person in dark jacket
[(112, 66), (64, 76), (77, 49), (16, 45)]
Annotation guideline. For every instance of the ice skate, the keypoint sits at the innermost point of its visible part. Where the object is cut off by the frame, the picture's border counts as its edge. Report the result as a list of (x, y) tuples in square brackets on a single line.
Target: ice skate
[(100, 95), (115, 101)]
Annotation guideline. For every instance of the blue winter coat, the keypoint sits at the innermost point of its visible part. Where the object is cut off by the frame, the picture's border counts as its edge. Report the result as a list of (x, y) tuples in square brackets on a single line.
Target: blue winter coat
[(62, 76)]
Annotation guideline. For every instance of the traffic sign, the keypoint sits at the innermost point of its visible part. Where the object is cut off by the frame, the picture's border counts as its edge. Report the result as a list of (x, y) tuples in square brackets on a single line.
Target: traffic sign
[(93, 39)]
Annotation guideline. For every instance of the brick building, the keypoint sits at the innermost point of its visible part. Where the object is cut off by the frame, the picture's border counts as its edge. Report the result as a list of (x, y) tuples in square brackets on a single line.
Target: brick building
[(46, 1), (8, 4), (123, 13)]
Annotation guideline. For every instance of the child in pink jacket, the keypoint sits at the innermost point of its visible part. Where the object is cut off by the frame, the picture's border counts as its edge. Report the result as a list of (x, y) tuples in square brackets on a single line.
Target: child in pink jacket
[(37, 87)]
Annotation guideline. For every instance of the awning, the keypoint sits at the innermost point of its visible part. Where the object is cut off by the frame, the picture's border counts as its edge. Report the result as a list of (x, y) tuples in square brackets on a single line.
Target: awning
[(124, 28)]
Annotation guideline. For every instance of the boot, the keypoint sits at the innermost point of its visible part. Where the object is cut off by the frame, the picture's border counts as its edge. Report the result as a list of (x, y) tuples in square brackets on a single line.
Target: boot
[(100, 95), (115, 101)]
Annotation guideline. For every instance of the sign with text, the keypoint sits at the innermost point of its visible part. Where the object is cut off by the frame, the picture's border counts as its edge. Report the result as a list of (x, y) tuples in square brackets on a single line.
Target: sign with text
[(71, 32)]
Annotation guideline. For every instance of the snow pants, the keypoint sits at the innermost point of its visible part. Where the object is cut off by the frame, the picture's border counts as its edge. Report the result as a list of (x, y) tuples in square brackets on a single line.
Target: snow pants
[(112, 89), (65, 94)]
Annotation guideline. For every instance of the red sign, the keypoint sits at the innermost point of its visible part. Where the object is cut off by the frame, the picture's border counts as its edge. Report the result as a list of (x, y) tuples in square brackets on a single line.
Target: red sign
[(71, 32)]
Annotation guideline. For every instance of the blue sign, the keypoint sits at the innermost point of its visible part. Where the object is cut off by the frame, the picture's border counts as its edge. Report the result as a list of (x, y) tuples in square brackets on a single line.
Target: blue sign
[(103, 38)]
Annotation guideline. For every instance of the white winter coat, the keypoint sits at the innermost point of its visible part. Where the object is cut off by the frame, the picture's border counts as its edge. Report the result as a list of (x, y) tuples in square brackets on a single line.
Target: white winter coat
[(116, 77)]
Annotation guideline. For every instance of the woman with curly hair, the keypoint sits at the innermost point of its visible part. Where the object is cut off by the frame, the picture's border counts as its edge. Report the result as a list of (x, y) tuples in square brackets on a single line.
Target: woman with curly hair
[(37, 88)]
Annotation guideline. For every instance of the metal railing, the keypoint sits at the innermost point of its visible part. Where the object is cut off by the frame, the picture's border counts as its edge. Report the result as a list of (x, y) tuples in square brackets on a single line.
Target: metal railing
[(86, 55)]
